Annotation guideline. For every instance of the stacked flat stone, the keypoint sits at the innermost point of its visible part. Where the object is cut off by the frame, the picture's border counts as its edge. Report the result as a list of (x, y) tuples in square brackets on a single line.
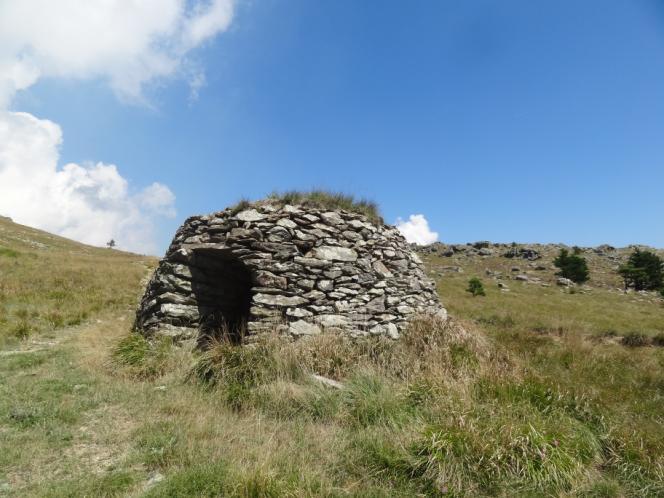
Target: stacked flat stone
[(310, 270)]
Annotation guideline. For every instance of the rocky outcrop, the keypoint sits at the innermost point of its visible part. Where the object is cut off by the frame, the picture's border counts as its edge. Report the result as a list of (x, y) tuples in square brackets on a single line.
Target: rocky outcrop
[(482, 248), (522, 252), (293, 269)]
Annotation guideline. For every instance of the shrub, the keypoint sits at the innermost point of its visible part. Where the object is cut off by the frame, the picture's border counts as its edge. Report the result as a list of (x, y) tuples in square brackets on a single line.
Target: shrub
[(643, 271), (634, 340), (21, 330), (572, 266), (513, 251), (658, 340), (475, 287)]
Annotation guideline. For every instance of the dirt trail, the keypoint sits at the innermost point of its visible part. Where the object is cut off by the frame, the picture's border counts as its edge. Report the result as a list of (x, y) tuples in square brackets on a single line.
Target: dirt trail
[(36, 345), (48, 346), (101, 439)]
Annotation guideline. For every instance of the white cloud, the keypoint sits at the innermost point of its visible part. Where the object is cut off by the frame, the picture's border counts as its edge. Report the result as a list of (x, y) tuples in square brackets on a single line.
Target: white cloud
[(127, 43), (91, 203), (416, 230), (158, 199)]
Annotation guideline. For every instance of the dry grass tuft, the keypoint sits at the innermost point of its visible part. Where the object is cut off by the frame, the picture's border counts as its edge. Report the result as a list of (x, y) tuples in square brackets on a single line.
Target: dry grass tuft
[(429, 347)]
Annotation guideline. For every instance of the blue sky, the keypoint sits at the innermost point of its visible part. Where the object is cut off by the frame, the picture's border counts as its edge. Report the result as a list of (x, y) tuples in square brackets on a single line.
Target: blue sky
[(511, 120)]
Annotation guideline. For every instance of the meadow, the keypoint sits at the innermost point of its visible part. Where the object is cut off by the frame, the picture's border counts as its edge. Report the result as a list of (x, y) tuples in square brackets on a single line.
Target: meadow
[(531, 392)]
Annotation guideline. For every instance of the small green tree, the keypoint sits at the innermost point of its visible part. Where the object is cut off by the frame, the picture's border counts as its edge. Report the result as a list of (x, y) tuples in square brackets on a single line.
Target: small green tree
[(475, 287), (572, 266), (643, 271)]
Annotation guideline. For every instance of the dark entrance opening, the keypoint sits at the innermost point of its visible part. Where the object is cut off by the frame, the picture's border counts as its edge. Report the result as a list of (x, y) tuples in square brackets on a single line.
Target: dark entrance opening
[(221, 284)]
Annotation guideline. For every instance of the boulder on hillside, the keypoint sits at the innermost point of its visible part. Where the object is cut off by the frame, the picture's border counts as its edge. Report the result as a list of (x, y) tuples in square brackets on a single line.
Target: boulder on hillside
[(564, 282), (518, 252)]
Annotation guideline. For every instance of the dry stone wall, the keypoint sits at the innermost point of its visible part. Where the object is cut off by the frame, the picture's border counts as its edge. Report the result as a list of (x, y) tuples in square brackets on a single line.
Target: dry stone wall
[(295, 269)]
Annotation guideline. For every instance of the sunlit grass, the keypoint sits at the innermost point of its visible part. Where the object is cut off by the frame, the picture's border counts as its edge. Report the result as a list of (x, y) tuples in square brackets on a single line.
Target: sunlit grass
[(48, 283), (526, 393)]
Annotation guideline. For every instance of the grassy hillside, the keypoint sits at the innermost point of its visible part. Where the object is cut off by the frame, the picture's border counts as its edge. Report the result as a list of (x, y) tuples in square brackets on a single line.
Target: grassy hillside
[(527, 393), (48, 283), (600, 307)]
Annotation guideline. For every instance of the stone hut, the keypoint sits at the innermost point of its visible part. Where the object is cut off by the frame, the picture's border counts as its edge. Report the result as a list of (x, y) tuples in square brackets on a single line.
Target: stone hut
[(291, 268)]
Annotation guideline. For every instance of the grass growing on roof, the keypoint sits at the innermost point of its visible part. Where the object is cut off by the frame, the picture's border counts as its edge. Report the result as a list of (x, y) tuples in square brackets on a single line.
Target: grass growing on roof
[(324, 199), (321, 199)]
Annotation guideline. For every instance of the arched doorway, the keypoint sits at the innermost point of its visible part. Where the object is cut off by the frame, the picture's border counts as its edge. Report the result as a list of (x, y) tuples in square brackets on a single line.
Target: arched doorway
[(221, 284)]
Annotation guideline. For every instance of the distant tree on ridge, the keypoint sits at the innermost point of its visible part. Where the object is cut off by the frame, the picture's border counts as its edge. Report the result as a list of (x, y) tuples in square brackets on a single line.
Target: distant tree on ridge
[(572, 266), (643, 271)]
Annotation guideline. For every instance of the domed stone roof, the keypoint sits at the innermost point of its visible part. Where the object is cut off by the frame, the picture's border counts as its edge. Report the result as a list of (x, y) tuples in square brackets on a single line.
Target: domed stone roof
[(291, 268)]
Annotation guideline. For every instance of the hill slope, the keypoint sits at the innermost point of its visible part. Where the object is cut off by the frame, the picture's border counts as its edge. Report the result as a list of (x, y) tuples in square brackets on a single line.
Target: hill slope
[(525, 289), (534, 396), (49, 282)]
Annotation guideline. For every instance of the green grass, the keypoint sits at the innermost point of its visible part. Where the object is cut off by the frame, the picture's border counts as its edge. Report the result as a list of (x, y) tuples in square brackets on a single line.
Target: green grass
[(635, 340), (110, 485), (143, 358), (8, 253), (527, 393)]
